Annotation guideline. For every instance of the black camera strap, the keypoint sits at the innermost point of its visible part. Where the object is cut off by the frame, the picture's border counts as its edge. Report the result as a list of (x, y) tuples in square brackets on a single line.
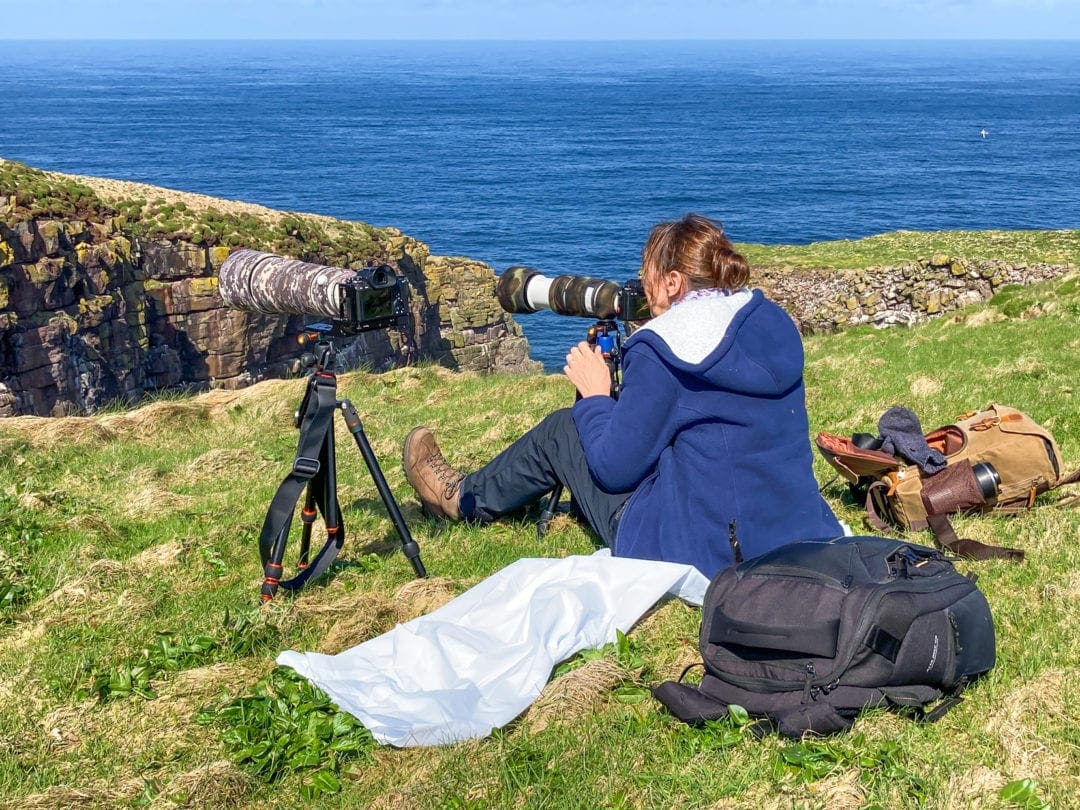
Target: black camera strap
[(311, 468)]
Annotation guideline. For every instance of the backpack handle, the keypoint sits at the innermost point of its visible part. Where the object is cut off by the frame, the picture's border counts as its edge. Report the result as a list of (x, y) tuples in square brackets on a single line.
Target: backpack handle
[(817, 640)]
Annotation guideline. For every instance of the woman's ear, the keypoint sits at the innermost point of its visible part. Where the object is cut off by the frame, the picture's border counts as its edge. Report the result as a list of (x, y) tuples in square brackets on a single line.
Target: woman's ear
[(675, 284)]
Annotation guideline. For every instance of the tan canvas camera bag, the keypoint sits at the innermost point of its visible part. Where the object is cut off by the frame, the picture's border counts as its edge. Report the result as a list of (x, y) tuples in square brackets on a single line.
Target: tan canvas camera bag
[(998, 459)]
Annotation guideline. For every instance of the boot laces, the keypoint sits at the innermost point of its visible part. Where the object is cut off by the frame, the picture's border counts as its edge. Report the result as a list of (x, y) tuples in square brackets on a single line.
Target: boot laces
[(446, 475)]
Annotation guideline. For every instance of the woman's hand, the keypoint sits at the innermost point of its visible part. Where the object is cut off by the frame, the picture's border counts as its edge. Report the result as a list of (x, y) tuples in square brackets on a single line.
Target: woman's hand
[(588, 371)]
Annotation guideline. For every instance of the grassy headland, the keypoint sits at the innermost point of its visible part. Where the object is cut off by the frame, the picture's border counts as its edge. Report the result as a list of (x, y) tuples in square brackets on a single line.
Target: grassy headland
[(138, 669), (165, 213), (900, 247)]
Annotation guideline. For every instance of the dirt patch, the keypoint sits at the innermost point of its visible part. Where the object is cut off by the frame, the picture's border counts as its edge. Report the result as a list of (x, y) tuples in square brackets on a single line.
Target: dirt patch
[(217, 784), (165, 555), (1050, 698), (575, 694), (47, 431), (925, 387), (100, 793), (418, 597), (972, 787), (840, 791)]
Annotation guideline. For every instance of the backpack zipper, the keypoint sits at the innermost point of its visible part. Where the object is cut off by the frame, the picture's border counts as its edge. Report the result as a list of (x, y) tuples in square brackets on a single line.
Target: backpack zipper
[(792, 572), (808, 688)]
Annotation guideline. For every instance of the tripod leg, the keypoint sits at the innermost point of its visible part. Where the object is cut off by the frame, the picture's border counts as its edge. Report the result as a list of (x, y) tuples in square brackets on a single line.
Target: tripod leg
[(307, 517), (548, 512), (408, 546), (272, 567)]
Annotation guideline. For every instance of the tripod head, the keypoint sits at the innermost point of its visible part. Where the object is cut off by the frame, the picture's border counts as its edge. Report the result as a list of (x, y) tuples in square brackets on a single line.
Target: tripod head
[(320, 356), (605, 334)]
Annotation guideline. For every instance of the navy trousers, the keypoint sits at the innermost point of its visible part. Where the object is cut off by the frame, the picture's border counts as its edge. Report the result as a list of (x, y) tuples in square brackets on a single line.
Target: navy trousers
[(528, 469)]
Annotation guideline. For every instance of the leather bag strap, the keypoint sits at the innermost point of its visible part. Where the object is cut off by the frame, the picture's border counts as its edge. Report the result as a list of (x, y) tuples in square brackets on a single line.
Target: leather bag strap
[(946, 537)]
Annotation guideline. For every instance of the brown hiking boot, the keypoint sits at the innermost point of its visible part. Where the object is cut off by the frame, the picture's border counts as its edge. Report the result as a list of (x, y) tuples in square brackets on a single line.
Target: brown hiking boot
[(436, 482)]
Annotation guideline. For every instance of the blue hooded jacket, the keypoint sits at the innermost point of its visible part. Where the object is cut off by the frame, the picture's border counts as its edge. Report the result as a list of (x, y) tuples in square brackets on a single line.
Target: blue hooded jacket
[(710, 432)]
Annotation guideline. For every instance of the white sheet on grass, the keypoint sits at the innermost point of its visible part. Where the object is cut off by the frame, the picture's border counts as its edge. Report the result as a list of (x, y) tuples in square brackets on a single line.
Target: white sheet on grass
[(476, 663)]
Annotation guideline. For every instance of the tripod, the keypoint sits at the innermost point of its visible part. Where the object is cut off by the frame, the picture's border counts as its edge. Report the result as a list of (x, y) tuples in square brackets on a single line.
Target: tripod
[(605, 334), (315, 468)]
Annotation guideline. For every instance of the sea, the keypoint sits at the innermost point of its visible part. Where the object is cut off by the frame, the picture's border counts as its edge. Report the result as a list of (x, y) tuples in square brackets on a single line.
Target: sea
[(562, 155)]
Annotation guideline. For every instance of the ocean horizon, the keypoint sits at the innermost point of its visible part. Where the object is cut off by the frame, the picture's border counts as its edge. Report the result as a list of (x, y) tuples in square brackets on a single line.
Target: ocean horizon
[(562, 154)]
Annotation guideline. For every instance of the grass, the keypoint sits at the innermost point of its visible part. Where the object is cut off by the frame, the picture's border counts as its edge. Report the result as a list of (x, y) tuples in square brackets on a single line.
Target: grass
[(47, 195), (138, 669), (901, 247)]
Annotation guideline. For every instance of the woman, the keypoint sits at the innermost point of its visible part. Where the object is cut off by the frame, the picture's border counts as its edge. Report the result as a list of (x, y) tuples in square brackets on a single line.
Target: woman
[(705, 456)]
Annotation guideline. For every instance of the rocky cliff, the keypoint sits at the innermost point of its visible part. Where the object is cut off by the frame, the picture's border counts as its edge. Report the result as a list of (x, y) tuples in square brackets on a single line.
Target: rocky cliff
[(108, 292)]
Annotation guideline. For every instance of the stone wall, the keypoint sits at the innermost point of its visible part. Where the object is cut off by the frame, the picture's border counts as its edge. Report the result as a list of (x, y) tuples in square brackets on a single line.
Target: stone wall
[(92, 314), (825, 300)]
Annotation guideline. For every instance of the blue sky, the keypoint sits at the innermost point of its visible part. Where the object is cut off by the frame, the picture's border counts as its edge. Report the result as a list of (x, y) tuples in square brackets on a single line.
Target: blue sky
[(541, 19)]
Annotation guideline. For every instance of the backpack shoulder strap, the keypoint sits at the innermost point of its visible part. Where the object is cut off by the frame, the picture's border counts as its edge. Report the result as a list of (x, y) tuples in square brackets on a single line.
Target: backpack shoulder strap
[(876, 490), (1067, 501), (1071, 478), (686, 702)]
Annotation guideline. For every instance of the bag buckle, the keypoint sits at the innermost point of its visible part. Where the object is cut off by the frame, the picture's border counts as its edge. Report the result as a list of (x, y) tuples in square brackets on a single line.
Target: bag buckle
[(894, 482), (306, 467)]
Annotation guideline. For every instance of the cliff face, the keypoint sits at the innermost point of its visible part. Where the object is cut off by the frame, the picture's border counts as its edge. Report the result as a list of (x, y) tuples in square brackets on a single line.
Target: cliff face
[(104, 299), (108, 292)]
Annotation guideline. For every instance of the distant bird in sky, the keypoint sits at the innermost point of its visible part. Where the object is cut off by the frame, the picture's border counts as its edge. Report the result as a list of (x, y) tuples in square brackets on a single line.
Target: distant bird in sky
[(984, 133)]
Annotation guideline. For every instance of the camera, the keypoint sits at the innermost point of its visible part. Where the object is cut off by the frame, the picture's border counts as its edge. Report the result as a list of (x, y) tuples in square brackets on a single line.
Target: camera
[(523, 290), (354, 300)]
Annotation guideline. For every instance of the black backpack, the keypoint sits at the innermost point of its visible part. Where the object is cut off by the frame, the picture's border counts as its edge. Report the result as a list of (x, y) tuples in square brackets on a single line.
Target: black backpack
[(808, 635)]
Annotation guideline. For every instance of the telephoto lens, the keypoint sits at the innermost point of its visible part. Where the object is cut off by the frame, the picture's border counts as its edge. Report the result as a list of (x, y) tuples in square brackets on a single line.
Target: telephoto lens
[(524, 290), (264, 282)]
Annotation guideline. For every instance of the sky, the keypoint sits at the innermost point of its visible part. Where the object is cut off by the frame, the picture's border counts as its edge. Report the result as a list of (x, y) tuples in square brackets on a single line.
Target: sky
[(541, 19)]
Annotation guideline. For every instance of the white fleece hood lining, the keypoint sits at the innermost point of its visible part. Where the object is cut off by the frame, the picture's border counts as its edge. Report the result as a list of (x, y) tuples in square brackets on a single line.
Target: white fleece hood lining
[(693, 328)]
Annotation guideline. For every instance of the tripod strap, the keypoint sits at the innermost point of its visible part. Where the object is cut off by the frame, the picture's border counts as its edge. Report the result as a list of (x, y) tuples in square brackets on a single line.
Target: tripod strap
[(309, 468)]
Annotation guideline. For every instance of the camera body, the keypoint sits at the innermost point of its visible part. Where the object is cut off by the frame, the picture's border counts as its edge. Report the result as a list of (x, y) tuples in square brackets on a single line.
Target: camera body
[(633, 305), (372, 298)]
